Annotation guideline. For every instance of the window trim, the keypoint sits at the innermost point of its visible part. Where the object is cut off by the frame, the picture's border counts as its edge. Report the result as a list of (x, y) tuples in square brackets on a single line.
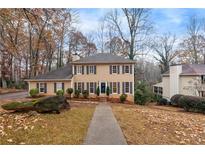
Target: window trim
[(79, 83), (125, 69), (79, 69), (115, 69), (59, 83), (113, 88), (93, 69), (126, 87), (92, 87), (43, 83)]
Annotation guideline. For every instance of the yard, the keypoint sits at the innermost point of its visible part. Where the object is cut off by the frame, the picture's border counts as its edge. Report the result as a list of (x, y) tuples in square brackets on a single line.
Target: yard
[(159, 125), (69, 127)]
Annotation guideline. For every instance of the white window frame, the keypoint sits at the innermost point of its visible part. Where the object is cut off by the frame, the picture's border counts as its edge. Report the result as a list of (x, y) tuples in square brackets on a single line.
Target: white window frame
[(40, 84), (91, 87), (114, 83), (126, 69), (57, 84), (91, 69), (80, 89), (79, 69), (114, 66), (127, 83)]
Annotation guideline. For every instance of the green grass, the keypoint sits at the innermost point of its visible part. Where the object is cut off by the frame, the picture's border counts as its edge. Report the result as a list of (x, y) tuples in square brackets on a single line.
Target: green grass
[(69, 127)]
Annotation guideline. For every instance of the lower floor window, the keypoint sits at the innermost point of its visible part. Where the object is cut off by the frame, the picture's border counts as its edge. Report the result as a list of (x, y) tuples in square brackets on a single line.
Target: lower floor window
[(80, 86), (91, 87), (42, 87), (127, 87), (59, 86), (114, 87)]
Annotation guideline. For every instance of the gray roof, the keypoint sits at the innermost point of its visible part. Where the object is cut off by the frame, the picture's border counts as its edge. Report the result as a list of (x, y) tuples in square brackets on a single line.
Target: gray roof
[(63, 73), (103, 58), (191, 69)]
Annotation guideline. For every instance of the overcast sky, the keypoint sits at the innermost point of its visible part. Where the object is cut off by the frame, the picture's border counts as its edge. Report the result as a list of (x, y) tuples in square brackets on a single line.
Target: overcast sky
[(165, 20)]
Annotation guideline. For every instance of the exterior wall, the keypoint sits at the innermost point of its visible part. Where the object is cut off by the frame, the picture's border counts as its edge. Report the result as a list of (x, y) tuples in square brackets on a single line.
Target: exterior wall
[(174, 79), (187, 85), (103, 74), (166, 87), (50, 86)]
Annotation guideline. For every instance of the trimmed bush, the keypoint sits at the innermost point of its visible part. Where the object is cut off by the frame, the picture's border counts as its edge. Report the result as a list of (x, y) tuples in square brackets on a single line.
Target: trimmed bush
[(77, 93), (123, 98), (163, 101), (192, 103), (34, 92), (69, 91), (60, 93), (98, 91), (85, 93), (175, 100), (108, 91)]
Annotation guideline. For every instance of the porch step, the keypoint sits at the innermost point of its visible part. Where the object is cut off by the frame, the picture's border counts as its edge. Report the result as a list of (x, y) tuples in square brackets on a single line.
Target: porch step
[(103, 99)]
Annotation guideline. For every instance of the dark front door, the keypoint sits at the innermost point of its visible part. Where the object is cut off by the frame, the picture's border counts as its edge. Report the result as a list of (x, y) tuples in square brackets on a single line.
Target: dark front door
[(102, 87)]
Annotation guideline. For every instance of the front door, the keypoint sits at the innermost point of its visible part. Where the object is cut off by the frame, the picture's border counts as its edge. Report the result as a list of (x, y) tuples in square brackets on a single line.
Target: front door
[(103, 85)]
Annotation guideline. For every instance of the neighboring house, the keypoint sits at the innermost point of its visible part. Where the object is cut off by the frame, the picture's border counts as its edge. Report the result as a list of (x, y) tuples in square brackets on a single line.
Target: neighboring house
[(187, 79), (103, 70)]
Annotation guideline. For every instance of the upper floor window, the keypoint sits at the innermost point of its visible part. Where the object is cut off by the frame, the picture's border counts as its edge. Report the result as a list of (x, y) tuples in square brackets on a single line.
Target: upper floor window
[(127, 69), (114, 69), (79, 69), (91, 69)]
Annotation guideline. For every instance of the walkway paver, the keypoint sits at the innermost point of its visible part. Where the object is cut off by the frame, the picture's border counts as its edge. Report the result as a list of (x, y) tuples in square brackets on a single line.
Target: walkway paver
[(104, 128)]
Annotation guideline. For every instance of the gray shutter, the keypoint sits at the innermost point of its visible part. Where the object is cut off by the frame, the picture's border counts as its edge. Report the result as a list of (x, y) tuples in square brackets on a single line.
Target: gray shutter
[(82, 84), (75, 86), (123, 87), (45, 87), (130, 69), (110, 69), (118, 69), (88, 87), (123, 69), (110, 87), (54, 87), (37, 85), (82, 69), (95, 87), (63, 86), (95, 69), (75, 70), (130, 87), (87, 69), (118, 87)]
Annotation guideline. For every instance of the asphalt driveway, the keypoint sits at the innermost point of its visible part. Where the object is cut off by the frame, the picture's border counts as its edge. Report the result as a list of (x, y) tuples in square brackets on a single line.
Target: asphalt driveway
[(13, 95)]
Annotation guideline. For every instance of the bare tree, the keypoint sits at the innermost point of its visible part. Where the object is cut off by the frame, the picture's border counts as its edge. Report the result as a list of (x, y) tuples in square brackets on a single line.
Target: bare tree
[(138, 25), (163, 46)]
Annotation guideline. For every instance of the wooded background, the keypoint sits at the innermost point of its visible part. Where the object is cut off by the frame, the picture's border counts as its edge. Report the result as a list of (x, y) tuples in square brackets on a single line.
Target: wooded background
[(36, 41)]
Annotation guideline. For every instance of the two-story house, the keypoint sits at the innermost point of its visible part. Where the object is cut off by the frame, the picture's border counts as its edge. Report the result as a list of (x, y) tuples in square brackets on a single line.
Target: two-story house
[(187, 79), (101, 70)]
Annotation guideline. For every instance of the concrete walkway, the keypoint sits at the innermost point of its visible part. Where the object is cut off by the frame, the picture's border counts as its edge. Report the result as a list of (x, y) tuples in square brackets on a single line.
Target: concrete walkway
[(104, 129)]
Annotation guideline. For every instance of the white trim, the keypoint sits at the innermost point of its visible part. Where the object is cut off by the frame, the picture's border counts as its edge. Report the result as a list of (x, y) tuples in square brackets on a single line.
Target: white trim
[(116, 87), (39, 87)]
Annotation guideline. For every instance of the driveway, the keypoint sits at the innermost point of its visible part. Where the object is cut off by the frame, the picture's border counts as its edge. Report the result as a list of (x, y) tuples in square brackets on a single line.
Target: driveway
[(13, 95)]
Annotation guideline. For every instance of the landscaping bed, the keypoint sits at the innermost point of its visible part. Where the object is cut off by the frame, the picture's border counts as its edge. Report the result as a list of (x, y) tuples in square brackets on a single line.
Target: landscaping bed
[(159, 124), (68, 127)]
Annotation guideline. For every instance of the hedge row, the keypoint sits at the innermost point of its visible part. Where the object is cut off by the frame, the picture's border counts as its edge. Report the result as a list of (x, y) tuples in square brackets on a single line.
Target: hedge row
[(189, 103)]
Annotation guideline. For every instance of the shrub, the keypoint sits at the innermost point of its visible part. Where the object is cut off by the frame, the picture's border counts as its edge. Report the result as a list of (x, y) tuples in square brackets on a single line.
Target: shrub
[(21, 85), (34, 92), (85, 93), (69, 91), (98, 91), (123, 98), (175, 100), (108, 91), (77, 93), (60, 93), (19, 106), (192, 103), (162, 101), (143, 93)]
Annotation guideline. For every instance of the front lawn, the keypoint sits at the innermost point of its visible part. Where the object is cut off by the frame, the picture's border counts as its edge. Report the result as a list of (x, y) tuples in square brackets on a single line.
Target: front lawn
[(69, 127), (159, 124)]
